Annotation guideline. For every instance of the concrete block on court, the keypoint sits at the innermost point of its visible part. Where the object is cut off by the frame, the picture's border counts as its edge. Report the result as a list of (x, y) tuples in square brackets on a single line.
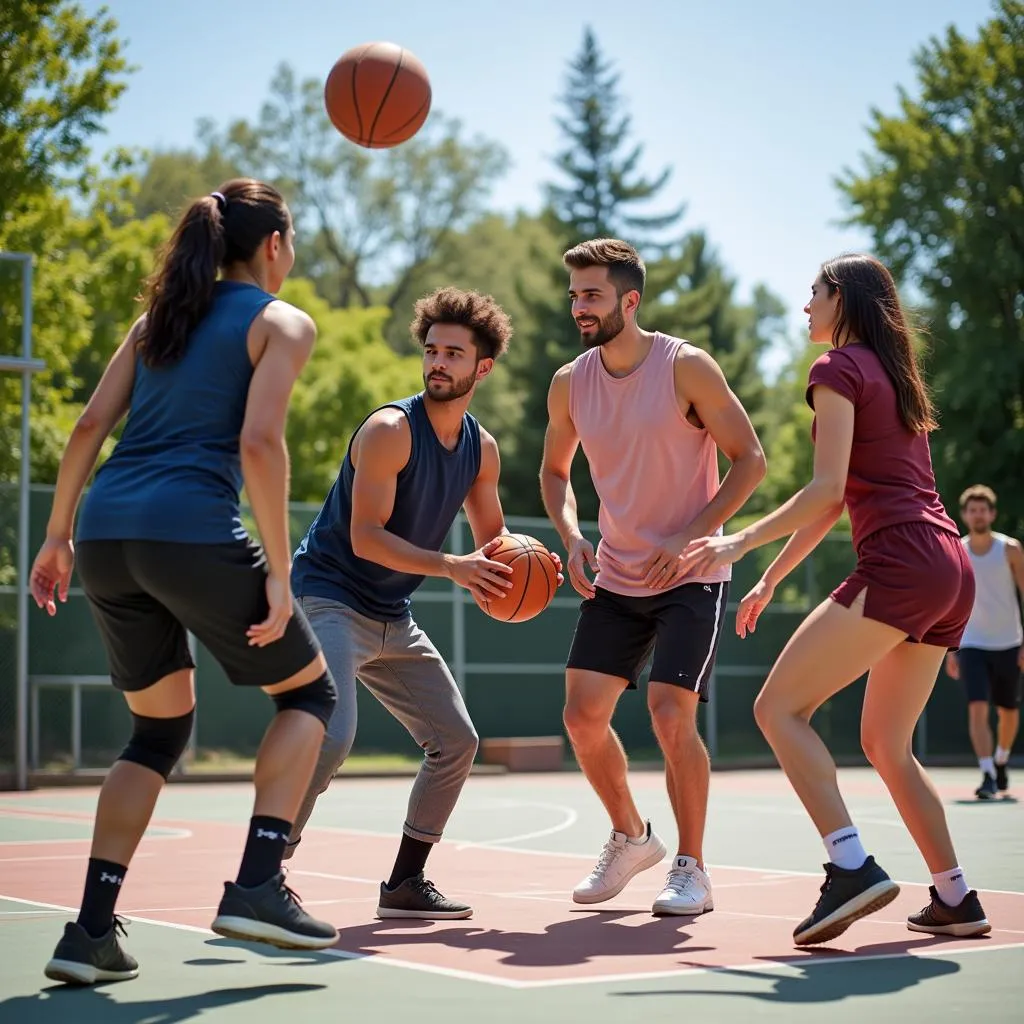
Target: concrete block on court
[(525, 753)]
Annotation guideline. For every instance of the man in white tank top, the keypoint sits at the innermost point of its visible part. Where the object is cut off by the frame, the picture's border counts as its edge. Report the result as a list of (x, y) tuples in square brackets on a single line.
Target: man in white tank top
[(651, 413), (991, 655)]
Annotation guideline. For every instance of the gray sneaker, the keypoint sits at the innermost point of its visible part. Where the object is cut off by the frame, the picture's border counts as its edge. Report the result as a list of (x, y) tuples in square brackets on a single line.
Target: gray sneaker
[(270, 913), (79, 959), (419, 898)]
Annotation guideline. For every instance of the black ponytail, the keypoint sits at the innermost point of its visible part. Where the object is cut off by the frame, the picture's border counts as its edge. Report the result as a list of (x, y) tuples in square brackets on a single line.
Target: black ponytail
[(216, 231)]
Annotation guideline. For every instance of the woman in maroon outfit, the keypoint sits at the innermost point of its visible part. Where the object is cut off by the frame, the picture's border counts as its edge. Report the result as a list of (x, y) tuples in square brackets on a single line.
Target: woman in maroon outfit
[(906, 603)]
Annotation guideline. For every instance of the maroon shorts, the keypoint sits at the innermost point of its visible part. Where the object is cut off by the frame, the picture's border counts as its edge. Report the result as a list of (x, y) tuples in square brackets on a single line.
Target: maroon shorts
[(918, 579)]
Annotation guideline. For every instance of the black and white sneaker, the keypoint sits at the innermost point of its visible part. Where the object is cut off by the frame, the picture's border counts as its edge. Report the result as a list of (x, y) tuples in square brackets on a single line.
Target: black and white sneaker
[(964, 920), (987, 789), (79, 959), (270, 913), (846, 896), (416, 897), (1002, 778)]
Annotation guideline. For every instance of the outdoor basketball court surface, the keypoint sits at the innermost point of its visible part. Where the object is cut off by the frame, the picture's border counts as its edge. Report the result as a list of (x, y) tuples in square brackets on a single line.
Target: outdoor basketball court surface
[(515, 847)]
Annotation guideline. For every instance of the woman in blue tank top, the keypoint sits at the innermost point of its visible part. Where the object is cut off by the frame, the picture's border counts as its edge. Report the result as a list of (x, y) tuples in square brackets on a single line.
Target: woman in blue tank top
[(205, 377)]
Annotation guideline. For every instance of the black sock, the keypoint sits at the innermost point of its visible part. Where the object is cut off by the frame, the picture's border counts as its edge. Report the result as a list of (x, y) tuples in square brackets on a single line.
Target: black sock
[(411, 859), (102, 887), (264, 850)]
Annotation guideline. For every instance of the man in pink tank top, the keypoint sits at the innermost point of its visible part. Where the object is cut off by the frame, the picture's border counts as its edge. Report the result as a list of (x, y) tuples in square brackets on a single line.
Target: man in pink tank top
[(651, 413)]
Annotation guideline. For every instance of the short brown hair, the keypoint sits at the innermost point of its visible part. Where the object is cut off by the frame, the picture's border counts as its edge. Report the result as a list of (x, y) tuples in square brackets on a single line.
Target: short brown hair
[(626, 269), (978, 492), (489, 323)]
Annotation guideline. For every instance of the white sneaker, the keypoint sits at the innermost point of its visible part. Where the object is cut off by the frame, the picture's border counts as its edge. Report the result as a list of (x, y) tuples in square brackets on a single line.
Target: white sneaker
[(620, 860), (687, 890)]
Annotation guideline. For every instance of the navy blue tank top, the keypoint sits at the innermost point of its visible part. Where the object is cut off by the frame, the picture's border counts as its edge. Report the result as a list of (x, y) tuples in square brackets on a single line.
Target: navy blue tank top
[(176, 473), (431, 489)]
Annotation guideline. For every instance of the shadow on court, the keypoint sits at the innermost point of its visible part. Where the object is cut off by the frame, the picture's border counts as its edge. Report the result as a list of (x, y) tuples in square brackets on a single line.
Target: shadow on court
[(584, 937), (60, 1004), (821, 981)]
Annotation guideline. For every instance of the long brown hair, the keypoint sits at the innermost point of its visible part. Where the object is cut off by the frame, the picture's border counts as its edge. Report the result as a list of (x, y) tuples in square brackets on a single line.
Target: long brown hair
[(216, 231), (870, 312)]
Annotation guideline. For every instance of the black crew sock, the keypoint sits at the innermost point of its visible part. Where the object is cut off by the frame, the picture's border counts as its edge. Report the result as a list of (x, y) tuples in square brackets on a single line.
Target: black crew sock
[(102, 887), (411, 860), (264, 850)]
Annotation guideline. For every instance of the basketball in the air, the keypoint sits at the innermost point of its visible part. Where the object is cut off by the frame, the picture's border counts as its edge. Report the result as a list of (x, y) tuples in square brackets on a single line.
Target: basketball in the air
[(377, 95), (534, 579)]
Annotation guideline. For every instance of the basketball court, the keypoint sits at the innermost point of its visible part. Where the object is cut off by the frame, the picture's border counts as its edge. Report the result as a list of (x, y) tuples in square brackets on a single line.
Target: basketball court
[(516, 845)]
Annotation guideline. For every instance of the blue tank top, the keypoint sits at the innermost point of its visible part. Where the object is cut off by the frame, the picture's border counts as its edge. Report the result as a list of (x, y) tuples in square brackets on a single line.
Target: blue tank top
[(430, 490), (176, 473)]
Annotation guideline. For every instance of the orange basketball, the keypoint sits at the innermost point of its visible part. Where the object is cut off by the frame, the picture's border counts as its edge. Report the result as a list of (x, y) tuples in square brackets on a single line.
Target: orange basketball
[(377, 95), (534, 579)]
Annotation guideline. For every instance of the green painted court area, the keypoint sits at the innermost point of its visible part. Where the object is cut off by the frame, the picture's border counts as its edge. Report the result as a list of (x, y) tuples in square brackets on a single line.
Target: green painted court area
[(515, 846)]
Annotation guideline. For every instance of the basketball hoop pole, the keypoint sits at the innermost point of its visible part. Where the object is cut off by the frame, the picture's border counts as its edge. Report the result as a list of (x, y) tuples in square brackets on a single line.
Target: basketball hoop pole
[(26, 366)]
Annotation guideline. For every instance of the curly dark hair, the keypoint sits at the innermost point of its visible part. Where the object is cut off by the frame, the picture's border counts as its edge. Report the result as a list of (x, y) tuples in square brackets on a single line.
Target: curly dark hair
[(489, 323)]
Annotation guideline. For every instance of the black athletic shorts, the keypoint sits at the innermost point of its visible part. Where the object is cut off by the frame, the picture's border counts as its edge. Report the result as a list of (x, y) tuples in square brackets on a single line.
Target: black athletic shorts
[(615, 635), (991, 676), (145, 595)]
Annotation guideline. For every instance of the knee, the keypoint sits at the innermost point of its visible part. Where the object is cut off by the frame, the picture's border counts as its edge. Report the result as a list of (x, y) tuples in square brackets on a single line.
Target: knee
[(765, 713), (456, 745), (317, 698), (158, 743), (674, 723), (585, 726), (884, 753)]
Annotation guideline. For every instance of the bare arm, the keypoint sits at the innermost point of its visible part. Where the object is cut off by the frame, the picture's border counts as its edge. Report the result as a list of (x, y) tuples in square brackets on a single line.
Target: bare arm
[(289, 340), (380, 452), (824, 495), (1015, 556), (483, 505), (105, 409), (560, 444), (701, 384), (800, 545)]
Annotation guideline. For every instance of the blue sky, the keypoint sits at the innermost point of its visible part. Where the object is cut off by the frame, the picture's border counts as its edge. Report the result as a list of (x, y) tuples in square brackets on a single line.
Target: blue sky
[(755, 106)]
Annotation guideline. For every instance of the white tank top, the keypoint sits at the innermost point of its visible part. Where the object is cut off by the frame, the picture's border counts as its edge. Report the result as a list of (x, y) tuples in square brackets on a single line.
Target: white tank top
[(995, 623)]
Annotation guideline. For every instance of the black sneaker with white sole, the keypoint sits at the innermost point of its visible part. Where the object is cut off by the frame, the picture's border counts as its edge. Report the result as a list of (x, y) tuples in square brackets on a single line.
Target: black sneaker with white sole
[(419, 898), (846, 896), (79, 959), (987, 789), (1002, 778), (965, 920), (270, 913)]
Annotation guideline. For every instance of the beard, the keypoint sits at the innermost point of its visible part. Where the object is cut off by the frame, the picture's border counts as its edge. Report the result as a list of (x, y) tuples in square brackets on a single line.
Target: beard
[(448, 389), (607, 329)]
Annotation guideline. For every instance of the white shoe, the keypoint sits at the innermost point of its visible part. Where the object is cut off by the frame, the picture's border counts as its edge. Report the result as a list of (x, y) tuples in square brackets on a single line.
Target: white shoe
[(620, 860), (687, 890)]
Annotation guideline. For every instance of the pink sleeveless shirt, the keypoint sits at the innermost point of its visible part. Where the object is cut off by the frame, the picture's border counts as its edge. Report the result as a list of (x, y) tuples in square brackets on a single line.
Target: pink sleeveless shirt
[(653, 470)]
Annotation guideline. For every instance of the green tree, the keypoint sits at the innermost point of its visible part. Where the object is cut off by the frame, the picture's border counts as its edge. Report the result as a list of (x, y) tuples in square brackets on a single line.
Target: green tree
[(604, 186), (943, 194), (60, 72)]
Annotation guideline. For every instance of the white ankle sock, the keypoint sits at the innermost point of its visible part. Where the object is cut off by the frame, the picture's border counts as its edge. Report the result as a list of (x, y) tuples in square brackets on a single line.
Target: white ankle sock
[(951, 886), (1002, 755), (844, 848), (986, 765)]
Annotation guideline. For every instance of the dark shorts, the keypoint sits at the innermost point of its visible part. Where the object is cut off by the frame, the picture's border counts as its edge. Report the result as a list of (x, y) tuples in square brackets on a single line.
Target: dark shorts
[(991, 676), (615, 635), (145, 595), (918, 579)]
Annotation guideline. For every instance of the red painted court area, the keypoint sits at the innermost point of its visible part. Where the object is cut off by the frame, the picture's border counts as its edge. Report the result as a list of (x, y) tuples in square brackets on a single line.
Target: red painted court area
[(525, 930)]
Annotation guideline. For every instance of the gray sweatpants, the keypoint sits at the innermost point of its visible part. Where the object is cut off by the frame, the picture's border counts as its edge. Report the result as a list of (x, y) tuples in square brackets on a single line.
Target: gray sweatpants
[(399, 665)]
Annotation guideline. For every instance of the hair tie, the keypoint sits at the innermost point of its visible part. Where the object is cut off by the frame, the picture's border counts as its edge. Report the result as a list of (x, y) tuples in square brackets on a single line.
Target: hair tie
[(222, 203)]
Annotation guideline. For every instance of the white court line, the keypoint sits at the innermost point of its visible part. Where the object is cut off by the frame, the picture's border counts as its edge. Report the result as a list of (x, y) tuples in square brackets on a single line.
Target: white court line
[(58, 856), (569, 818), (386, 960)]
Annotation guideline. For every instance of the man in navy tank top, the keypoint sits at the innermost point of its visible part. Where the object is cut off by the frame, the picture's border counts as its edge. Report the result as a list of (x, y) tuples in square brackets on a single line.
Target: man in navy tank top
[(410, 467)]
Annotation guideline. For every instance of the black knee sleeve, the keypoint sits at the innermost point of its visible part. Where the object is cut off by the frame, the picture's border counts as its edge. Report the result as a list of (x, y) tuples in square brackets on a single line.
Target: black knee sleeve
[(316, 698), (157, 743)]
